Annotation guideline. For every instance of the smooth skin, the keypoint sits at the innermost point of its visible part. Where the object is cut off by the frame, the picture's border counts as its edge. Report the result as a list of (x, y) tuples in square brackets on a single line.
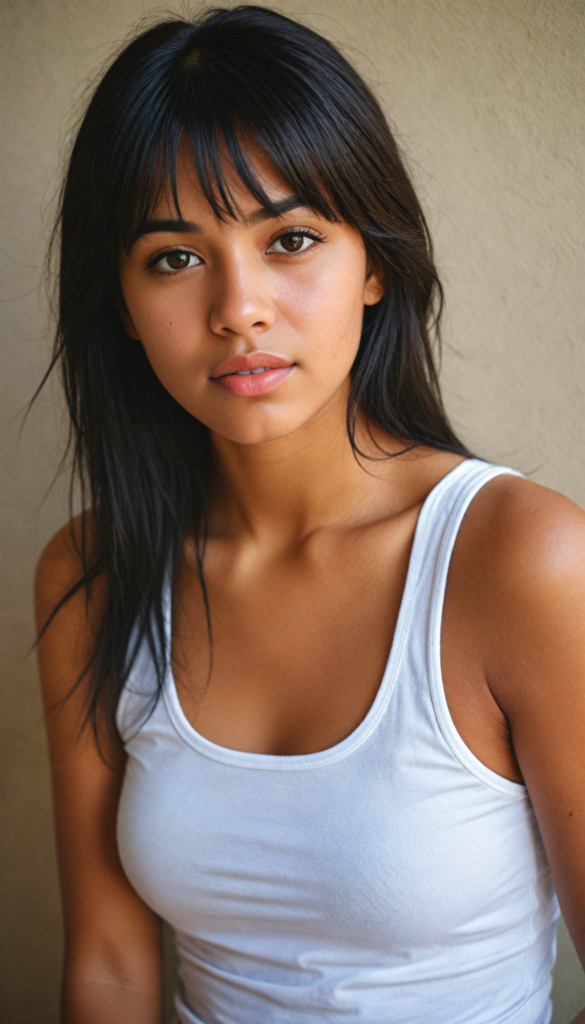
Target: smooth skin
[(305, 566)]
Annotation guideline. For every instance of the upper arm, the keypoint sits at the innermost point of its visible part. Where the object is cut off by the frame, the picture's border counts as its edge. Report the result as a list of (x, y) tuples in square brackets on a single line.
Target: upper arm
[(532, 563), (109, 930)]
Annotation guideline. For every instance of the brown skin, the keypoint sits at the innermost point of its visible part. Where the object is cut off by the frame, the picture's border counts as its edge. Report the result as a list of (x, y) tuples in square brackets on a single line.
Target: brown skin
[(306, 564), (113, 966)]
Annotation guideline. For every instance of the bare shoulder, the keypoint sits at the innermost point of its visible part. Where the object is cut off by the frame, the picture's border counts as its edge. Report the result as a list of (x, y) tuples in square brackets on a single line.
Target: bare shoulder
[(518, 583), (66, 613), (60, 560), (60, 565), (520, 534)]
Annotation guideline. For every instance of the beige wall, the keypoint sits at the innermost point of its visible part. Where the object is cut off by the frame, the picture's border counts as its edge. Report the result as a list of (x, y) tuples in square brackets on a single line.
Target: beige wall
[(488, 96)]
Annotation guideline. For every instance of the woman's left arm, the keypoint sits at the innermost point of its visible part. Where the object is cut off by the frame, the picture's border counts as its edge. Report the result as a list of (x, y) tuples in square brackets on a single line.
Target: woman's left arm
[(536, 673)]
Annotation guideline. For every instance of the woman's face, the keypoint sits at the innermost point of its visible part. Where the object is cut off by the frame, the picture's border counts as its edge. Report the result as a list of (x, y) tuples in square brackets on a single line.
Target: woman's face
[(252, 324)]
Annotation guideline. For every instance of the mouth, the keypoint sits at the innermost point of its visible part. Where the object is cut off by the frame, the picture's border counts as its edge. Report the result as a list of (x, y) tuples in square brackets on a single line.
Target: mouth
[(252, 375), (245, 373), (253, 383)]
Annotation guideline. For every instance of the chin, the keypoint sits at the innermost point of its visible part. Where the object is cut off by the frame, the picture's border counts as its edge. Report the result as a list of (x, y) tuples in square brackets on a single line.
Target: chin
[(248, 430)]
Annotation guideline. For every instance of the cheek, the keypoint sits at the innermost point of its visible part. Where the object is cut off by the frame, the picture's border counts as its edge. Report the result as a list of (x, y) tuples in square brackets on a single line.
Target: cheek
[(166, 322), (325, 305)]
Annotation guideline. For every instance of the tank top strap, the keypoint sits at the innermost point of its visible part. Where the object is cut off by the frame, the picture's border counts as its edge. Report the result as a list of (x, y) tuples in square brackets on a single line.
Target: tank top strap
[(436, 532), (462, 486), (448, 504), (424, 698), (443, 513)]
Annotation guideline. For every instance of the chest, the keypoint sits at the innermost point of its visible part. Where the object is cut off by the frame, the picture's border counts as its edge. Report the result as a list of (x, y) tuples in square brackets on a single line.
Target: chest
[(368, 848), (299, 644)]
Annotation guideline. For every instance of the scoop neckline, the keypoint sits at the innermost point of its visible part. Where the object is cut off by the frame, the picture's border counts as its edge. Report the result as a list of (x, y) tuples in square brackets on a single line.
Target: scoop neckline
[(351, 742)]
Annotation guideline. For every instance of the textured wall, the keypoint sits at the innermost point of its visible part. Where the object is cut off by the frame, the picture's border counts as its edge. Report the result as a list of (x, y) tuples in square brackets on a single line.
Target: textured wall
[(488, 97)]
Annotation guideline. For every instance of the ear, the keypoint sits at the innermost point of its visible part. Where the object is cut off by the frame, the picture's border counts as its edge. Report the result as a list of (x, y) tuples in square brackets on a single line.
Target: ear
[(374, 286)]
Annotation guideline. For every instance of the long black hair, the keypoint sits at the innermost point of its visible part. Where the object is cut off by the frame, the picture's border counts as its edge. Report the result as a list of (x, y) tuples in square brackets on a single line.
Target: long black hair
[(229, 76)]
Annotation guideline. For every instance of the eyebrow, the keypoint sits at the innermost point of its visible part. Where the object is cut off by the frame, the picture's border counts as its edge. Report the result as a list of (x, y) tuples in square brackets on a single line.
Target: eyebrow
[(275, 211), (176, 225)]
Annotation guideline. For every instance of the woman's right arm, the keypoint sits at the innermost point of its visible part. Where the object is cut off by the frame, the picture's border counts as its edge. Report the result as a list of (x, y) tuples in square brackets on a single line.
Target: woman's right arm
[(113, 964)]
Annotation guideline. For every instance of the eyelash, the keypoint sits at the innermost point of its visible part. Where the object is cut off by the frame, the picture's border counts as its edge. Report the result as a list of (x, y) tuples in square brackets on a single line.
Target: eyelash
[(305, 232), (151, 264)]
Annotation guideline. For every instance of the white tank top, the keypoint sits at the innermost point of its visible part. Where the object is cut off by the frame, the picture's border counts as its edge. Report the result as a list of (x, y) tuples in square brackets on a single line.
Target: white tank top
[(391, 879)]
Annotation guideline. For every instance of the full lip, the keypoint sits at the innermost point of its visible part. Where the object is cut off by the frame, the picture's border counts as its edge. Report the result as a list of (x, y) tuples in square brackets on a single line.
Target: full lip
[(251, 361)]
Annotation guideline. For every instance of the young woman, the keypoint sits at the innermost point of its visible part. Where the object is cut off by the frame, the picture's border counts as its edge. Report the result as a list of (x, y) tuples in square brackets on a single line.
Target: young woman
[(314, 676)]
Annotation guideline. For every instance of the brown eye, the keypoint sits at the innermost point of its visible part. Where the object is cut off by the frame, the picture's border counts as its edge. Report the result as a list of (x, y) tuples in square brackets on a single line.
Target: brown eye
[(177, 260), (292, 243)]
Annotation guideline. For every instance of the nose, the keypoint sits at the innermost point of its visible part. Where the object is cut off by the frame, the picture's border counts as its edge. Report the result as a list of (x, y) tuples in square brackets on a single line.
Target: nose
[(241, 302)]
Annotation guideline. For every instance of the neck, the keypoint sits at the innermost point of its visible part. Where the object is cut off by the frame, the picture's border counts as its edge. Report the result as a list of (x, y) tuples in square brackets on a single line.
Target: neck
[(296, 484)]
